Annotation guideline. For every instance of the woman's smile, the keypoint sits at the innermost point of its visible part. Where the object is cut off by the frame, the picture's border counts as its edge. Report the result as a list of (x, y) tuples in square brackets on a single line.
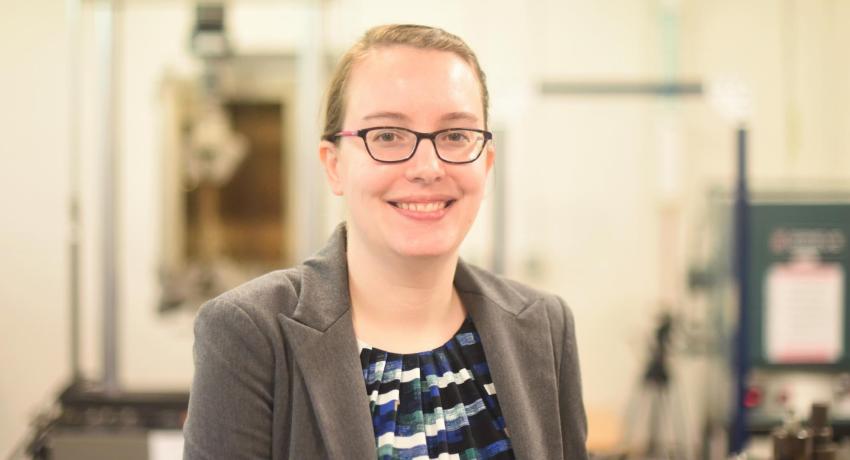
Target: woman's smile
[(423, 209)]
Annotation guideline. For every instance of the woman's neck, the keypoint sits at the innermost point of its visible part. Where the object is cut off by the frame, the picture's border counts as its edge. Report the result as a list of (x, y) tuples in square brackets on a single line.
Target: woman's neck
[(402, 304)]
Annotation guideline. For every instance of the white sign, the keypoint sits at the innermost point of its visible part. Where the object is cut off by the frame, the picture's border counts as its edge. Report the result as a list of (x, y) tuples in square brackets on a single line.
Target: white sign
[(804, 315)]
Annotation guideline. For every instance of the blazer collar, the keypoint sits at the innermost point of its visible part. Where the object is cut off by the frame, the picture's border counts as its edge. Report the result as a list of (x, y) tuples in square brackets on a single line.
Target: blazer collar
[(324, 282), (324, 296), (321, 335)]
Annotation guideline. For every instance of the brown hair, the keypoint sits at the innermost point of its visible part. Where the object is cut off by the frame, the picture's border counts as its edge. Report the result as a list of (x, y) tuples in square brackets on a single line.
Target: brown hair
[(422, 37)]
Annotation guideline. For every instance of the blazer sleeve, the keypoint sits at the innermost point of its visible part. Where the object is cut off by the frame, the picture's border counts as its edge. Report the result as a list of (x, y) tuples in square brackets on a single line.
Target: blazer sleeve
[(230, 404), (573, 417)]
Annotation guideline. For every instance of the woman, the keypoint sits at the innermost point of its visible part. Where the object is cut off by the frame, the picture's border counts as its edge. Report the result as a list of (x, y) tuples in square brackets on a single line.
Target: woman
[(385, 343)]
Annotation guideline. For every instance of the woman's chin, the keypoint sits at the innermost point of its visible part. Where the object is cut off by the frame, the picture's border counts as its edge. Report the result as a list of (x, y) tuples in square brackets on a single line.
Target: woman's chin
[(427, 247)]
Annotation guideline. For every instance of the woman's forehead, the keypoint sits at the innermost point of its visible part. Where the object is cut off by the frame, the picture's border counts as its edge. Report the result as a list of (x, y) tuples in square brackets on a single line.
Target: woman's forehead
[(407, 81)]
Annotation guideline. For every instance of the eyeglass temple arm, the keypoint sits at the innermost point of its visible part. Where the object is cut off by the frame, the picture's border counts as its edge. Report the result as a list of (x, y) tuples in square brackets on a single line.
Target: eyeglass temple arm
[(334, 136)]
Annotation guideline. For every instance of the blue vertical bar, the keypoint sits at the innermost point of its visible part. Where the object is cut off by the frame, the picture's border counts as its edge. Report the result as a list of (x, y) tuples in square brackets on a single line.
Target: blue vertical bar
[(738, 432)]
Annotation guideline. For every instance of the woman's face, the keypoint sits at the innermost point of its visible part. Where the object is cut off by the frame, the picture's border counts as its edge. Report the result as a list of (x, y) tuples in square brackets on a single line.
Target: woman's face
[(423, 206)]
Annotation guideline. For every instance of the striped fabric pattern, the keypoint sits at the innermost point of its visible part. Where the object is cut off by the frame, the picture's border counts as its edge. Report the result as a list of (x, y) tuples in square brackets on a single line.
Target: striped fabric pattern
[(437, 404)]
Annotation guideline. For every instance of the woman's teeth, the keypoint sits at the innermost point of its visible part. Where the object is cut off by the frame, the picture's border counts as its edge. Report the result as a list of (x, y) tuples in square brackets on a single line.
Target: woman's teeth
[(422, 207)]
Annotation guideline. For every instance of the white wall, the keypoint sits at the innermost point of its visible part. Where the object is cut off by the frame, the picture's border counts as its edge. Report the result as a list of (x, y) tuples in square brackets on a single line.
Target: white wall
[(588, 182), (33, 199)]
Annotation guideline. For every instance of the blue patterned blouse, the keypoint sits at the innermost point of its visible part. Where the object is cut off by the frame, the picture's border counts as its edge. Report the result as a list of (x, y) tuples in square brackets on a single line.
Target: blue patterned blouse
[(437, 404)]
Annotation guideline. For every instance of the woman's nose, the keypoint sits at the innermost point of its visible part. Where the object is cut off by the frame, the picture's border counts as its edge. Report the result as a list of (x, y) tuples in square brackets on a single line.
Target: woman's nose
[(425, 166)]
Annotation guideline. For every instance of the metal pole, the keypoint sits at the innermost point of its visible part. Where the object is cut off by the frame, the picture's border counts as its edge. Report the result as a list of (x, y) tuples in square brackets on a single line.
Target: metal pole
[(500, 221), (108, 36), (309, 73), (72, 8), (738, 432)]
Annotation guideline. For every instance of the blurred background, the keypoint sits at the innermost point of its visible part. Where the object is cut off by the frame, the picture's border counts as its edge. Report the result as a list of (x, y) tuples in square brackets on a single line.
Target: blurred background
[(157, 152)]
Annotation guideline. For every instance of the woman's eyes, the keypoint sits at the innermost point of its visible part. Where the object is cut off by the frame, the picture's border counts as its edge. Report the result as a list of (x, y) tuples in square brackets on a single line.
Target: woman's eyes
[(386, 136), (457, 137), (393, 136)]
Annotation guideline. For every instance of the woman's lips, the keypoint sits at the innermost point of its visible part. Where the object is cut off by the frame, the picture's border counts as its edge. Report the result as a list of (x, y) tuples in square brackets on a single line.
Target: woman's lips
[(432, 210)]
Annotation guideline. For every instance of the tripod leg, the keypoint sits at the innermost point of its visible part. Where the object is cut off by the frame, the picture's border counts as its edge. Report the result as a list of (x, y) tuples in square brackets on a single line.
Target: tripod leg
[(633, 411), (680, 427), (655, 413)]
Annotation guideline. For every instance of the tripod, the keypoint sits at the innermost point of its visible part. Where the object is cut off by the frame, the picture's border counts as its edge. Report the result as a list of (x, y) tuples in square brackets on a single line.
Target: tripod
[(653, 397)]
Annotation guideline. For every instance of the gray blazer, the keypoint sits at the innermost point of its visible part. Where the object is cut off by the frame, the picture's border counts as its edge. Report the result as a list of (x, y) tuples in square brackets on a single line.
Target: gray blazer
[(277, 369)]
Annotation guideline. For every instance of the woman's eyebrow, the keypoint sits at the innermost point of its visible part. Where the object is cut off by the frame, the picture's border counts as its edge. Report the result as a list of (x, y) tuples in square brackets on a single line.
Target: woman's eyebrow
[(391, 115), (452, 116), (466, 116)]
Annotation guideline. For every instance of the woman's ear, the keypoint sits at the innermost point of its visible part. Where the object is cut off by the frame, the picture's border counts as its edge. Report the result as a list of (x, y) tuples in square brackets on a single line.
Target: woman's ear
[(490, 155), (329, 156)]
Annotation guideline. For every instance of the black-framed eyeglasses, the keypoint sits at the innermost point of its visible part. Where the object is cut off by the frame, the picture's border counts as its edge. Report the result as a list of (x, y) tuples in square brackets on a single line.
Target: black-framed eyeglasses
[(392, 144)]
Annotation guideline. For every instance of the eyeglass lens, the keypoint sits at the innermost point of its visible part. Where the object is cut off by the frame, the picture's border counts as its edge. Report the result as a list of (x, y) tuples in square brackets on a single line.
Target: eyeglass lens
[(457, 145)]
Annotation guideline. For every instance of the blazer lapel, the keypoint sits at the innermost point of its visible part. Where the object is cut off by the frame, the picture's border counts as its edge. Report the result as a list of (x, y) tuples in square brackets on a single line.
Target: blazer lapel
[(321, 337), (515, 335)]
